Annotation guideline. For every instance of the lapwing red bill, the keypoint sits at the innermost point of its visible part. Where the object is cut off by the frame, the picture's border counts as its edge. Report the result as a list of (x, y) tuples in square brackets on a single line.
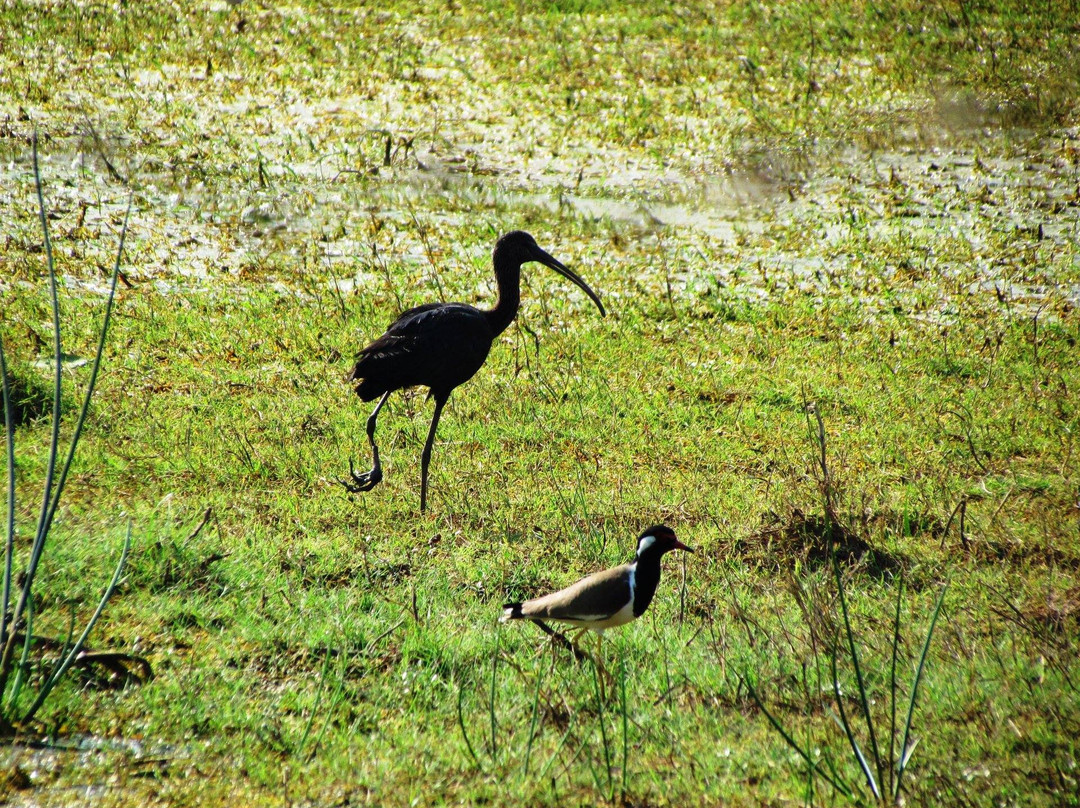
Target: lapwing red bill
[(605, 599)]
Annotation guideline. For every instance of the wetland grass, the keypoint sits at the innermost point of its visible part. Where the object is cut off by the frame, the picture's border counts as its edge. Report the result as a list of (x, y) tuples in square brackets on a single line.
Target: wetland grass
[(33, 664), (868, 208)]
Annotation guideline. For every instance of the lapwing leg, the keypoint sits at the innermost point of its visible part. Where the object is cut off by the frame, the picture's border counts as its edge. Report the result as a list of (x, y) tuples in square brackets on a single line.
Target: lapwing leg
[(369, 479), (579, 653), (577, 638), (560, 638), (425, 458), (599, 663)]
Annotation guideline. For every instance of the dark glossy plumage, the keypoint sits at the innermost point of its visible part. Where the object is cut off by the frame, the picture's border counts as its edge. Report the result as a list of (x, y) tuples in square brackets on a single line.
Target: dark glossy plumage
[(442, 345), (438, 345)]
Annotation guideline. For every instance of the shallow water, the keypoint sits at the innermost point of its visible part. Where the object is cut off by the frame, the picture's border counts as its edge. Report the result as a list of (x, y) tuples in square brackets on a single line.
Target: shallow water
[(927, 219)]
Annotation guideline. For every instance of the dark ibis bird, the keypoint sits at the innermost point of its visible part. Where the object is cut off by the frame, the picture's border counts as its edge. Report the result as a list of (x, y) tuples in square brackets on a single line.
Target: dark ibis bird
[(441, 345), (609, 598)]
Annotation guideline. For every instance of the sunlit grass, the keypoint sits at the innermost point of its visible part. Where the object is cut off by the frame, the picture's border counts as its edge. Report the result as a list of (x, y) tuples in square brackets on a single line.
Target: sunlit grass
[(867, 208)]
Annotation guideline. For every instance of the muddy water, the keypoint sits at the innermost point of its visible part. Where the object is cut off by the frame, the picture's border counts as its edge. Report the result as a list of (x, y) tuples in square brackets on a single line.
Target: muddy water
[(977, 214), (33, 769)]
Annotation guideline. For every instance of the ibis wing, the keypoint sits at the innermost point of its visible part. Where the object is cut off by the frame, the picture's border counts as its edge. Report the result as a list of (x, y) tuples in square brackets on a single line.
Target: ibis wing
[(597, 597), (439, 345), (412, 318)]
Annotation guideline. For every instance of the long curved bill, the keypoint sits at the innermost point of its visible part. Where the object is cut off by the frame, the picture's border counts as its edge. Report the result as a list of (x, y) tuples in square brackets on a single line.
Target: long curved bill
[(571, 276)]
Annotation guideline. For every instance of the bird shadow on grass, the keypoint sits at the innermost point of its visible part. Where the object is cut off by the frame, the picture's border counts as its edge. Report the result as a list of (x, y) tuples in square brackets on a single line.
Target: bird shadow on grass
[(819, 539), (30, 396)]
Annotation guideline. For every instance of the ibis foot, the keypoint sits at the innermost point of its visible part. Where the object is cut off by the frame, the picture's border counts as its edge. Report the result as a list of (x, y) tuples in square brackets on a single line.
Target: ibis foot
[(362, 482)]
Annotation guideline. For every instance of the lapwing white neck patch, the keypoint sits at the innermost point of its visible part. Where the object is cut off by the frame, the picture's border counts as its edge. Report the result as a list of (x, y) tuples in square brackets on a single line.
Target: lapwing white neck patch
[(645, 543)]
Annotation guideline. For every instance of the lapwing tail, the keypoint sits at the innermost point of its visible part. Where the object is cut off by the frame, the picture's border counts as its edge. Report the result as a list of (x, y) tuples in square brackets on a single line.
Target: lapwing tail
[(511, 611)]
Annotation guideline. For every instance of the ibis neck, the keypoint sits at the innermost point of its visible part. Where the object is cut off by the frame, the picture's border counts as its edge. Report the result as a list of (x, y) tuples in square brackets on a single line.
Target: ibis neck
[(506, 307)]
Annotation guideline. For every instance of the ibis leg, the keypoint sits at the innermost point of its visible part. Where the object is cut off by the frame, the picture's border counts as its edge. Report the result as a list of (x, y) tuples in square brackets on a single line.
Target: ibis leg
[(369, 479), (425, 458)]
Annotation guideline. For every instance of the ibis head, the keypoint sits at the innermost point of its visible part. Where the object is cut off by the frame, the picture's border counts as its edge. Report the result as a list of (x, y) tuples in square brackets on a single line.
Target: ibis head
[(518, 247)]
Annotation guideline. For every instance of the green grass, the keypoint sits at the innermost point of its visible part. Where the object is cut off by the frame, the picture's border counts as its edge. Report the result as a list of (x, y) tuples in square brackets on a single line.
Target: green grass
[(868, 207)]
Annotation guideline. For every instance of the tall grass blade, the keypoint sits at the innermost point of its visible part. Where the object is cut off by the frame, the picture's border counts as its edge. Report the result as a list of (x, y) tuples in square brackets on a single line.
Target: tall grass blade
[(335, 700), (623, 707), (555, 755), (845, 725), (51, 499), (905, 750), (323, 677), (9, 522), (908, 753), (603, 727), (50, 468), (892, 684), (79, 643), (592, 768), (461, 725), (491, 701), (95, 367), (827, 757), (24, 659), (863, 700), (533, 718), (53, 489), (54, 441), (72, 618), (835, 781)]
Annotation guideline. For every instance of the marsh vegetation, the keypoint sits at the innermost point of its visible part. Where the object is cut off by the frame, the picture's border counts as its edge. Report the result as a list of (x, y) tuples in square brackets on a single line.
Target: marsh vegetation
[(867, 213)]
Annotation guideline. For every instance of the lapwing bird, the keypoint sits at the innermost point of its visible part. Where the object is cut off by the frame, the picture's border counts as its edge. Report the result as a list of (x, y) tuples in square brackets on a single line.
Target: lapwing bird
[(441, 346), (605, 599)]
